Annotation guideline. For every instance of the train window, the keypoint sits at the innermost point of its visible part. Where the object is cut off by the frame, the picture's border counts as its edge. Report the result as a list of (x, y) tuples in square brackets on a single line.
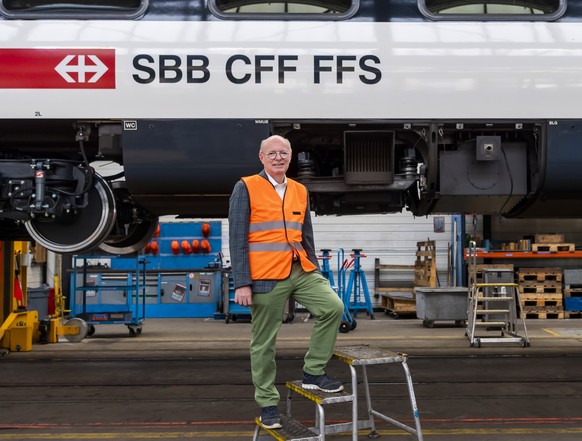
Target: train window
[(73, 9), (332, 9), (493, 9)]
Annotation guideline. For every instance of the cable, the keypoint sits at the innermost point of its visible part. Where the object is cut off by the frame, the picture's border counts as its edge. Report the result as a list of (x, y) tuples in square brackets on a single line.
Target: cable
[(510, 181)]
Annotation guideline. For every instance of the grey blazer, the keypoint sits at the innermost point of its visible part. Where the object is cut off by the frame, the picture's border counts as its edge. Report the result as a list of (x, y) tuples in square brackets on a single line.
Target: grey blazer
[(238, 222)]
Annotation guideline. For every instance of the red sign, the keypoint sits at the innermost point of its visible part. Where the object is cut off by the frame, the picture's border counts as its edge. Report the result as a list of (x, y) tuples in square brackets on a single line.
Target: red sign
[(57, 68)]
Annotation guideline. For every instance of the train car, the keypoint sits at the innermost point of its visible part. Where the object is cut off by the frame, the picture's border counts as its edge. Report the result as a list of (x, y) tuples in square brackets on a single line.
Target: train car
[(433, 106)]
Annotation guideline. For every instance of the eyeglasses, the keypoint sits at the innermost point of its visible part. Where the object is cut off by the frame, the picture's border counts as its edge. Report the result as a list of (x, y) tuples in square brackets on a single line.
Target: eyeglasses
[(273, 155)]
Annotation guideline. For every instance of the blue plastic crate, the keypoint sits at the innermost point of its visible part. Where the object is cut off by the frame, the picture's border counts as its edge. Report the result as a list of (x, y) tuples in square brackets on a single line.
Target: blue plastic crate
[(573, 304)]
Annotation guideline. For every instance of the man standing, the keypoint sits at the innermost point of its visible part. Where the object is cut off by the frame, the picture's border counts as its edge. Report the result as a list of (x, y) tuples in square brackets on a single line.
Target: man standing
[(273, 259)]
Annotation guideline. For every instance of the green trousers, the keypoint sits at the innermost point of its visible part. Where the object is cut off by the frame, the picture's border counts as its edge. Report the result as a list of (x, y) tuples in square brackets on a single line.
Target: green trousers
[(312, 291)]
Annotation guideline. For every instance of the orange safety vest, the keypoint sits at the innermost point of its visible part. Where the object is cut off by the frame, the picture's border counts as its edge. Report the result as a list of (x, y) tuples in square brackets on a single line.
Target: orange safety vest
[(276, 228)]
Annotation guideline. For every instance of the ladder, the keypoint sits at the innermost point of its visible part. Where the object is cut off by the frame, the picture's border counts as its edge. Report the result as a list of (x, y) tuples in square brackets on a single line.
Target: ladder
[(362, 356), (492, 308)]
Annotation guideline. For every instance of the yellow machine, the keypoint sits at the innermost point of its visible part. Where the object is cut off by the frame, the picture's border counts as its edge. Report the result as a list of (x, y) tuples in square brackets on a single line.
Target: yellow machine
[(20, 327), (73, 329), (16, 333)]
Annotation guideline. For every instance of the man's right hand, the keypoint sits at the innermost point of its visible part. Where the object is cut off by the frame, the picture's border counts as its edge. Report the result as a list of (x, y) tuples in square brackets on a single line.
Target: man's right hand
[(243, 296)]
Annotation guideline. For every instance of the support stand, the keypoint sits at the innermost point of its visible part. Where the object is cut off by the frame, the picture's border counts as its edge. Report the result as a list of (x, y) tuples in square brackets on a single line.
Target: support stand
[(357, 285)]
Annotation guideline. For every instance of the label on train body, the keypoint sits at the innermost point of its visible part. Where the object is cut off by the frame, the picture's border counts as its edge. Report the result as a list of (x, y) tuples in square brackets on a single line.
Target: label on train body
[(257, 69)]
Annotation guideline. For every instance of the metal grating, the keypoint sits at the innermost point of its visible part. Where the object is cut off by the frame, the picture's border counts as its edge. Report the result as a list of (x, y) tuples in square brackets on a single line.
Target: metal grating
[(369, 157)]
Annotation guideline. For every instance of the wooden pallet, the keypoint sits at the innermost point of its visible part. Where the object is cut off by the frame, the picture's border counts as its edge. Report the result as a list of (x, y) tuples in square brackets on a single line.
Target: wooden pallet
[(539, 275), (398, 305), (540, 289), (544, 314), (572, 314), (425, 264), (549, 238), (537, 309), (573, 292), (546, 283), (552, 247), (547, 301)]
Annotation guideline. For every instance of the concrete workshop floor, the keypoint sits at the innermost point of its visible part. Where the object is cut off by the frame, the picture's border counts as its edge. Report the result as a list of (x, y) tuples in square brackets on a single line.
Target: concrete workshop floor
[(190, 379)]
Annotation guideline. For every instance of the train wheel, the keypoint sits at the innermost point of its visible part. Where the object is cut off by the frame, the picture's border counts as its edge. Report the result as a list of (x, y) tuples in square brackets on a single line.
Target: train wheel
[(134, 226), (79, 230)]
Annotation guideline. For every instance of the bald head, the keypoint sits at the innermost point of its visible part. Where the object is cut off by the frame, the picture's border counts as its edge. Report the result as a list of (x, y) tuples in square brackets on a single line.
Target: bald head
[(274, 140)]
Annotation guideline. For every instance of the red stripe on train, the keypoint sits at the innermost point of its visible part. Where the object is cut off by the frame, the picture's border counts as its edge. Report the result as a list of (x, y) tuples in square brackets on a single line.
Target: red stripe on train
[(57, 68)]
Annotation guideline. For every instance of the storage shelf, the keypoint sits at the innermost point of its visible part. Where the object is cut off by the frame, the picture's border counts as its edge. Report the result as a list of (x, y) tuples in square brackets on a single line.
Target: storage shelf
[(526, 255)]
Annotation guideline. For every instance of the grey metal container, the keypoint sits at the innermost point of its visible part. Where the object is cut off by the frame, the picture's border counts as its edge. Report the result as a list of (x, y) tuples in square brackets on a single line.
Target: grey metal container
[(448, 303), (573, 277), (38, 299)]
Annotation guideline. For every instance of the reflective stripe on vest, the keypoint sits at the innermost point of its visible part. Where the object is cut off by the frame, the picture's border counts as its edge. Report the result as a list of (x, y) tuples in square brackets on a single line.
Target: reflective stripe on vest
[(263, 226), (276, 228), (279, 246)]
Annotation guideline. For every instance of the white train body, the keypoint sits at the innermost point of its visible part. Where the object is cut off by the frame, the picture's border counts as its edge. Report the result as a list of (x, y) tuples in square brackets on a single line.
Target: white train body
[(447, 70)]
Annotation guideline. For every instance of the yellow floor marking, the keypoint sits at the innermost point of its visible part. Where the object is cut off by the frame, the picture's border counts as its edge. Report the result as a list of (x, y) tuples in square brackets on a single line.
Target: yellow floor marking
[(549, 331)]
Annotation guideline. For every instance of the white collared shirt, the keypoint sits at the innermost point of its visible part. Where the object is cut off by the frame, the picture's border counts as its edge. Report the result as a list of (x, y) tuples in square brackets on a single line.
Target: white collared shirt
[(279, 188)]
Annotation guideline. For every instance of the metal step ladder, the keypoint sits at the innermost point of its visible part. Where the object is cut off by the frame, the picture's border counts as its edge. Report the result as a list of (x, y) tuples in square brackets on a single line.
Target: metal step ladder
[(495, 313), (362, 356), (492, 308)]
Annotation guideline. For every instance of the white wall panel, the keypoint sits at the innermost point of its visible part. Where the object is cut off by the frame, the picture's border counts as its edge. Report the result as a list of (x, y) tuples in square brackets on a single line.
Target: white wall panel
[(390, 237)]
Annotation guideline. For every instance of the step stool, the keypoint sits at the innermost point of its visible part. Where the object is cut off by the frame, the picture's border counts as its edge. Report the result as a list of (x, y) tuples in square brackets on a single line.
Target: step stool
[(492, 306), (353, 356), (495, 312)]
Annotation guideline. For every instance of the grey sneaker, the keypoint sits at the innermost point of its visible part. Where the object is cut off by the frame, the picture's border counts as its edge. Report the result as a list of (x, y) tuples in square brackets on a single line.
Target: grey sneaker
[(270, 417), (321, 382)]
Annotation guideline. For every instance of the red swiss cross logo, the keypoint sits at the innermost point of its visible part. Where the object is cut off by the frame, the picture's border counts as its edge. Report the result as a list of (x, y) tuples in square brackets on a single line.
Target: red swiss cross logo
[(57, 68)]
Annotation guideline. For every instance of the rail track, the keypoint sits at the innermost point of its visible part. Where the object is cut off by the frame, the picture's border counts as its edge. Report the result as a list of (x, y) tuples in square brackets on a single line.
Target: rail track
[(483, 397)]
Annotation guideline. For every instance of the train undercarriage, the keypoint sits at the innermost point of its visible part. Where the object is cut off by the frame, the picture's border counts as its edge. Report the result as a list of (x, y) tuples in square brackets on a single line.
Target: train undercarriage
[(50, 192)]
